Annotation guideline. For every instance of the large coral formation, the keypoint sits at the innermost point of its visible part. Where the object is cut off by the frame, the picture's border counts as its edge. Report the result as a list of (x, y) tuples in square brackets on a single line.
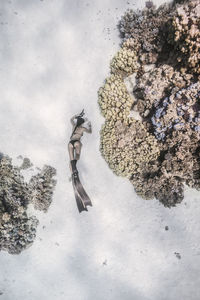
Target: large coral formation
[(158, 152), (17, 227)]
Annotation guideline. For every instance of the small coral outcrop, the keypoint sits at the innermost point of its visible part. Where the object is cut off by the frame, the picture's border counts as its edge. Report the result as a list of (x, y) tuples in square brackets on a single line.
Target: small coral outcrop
[(17, 226)]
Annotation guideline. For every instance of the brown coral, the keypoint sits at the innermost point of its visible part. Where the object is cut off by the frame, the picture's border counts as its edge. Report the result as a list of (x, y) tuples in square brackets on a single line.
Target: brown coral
[(146, 27), (184, 34), (156, 84)]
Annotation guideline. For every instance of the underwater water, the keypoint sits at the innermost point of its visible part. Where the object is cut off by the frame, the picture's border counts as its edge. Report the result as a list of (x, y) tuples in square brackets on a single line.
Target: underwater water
[(54, 57)]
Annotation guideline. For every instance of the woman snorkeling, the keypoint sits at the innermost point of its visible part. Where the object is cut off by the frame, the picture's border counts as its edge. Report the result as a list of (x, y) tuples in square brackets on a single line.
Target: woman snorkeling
[(75, 145)]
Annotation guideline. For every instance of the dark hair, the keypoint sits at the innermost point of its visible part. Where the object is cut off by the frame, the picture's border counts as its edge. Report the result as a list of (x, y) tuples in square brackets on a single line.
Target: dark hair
[(79, 121)]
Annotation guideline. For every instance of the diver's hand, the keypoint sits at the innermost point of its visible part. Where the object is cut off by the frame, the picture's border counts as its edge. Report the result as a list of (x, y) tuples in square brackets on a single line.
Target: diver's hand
[(82, 113)]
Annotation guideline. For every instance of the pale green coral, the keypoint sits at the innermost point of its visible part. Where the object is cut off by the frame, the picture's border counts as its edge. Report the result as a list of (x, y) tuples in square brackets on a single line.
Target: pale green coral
[(114, 99), (125, 143), (125, 62), (127, 147)]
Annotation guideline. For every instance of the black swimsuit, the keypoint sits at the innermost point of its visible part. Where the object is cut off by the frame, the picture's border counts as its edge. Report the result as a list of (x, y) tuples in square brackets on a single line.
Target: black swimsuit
[(73, 141)]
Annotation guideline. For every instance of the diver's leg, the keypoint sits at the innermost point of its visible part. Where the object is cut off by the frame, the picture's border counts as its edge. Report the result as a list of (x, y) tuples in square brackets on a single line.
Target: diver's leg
[(71, 155), (77, 147), (76, 156), (71, 151)]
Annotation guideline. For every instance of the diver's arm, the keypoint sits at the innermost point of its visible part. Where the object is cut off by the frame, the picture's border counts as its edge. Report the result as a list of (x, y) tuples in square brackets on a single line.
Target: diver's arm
[(88, 130), (72, 120)]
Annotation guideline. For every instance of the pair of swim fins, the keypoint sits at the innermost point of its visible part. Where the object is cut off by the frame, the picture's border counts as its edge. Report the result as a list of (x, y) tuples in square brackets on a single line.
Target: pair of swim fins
[(82, 198)]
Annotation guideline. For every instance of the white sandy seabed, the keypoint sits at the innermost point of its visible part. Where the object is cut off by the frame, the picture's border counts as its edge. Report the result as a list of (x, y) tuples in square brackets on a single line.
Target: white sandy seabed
[(54, 55)]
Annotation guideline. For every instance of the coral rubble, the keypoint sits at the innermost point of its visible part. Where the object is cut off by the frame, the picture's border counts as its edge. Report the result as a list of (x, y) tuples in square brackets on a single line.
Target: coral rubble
[(159, 151)]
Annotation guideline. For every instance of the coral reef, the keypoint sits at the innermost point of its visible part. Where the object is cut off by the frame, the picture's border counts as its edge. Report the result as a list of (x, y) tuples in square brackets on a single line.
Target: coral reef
[(17, 227), (151, 103)]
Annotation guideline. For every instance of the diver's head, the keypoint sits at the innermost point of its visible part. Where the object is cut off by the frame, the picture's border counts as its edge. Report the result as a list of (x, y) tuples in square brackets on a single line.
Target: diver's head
[(80, 121)]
